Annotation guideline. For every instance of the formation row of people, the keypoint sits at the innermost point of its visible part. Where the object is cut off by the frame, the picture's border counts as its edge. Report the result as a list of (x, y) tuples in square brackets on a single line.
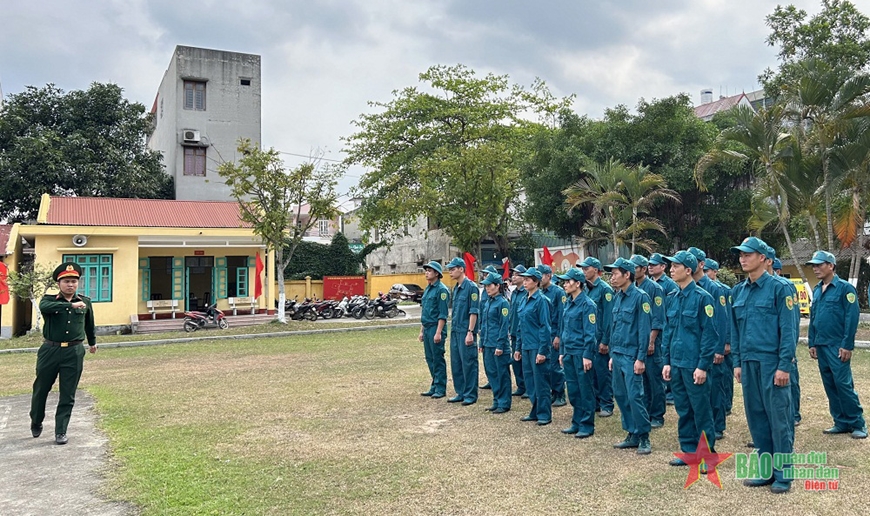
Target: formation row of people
[(644, 331)]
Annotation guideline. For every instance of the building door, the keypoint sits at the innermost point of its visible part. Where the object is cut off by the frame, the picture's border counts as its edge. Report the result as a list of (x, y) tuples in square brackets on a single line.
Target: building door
[(198, 274)]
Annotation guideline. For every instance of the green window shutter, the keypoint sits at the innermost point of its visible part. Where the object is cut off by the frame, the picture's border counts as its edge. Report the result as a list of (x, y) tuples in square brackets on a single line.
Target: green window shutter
[(178, 278), (144, 263), (241, 282), (252, 262), (146, 284), (219, 282)]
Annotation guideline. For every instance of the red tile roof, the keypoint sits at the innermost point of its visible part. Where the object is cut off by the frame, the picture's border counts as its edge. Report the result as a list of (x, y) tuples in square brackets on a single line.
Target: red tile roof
[(723, 104), (101, 211), (5, 230)]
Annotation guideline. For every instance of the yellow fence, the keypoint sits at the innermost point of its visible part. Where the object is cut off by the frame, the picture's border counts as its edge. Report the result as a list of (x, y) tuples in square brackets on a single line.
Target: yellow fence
[(374, 284)]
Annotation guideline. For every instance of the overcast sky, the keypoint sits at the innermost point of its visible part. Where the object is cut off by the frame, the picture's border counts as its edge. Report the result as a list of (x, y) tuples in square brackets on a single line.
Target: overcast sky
[(322, 61)]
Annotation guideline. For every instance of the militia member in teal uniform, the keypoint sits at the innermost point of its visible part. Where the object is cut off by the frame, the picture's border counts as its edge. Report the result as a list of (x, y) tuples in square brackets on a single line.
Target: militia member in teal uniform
[(689, 340), (602, 295), (763, 345), (556, 295), (774, 268), (69, 321), (489, 269), (494, 343), (711, 269), (653, 384), (833, 323), (577, 347), (657, 268), (720, 317), (536, 339), (629, 341), (463, 334), (433, 332), (513, 329)]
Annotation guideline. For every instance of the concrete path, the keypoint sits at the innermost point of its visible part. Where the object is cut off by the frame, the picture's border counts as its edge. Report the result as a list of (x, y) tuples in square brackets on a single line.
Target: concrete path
[(41, 478)]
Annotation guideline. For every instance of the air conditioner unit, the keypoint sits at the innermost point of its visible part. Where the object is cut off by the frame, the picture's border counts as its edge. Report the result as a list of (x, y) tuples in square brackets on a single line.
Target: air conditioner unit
[(79, 240), (192, 136)]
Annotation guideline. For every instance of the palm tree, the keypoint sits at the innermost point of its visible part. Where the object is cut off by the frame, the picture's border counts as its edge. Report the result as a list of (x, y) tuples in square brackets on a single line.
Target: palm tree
[(760, 138), (851, 162), (622, 199), (598, 187), (827, 97)]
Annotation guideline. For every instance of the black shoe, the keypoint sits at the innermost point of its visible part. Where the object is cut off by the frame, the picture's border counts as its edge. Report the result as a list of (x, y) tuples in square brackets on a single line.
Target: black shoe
[(780, 487), (570, 430), (466, 403), (490, 409), (487, 386), (518, 393), (529, 418), (560, 402), (500, 410), (644, 447), (750, 444), (455, 399), (524, 396), (677, 462), (61, 439), (720, 436), (757, 482), (605, 413), (437, 395), (544, 422), (35, 431), (583, 435), (630, 441), (427, 393), (656, 424), (836, 430)]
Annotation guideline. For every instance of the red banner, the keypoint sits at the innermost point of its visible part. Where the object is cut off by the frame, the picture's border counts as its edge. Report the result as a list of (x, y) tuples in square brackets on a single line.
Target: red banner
[(4, 285), (336, 287), (258, 276)]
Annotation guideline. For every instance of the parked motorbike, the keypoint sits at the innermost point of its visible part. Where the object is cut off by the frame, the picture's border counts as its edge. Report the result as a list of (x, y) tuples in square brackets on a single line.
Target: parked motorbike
[(304, 310), (383, 306), (357, 306), (210, 318)]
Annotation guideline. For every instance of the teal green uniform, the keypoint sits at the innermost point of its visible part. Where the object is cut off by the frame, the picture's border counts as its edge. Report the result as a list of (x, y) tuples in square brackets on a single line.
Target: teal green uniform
[(433, 306), (578, 342), (762, 342), (653, 384), (556, 295), (535, 335), (513, 331), (464, 365), (601, 294), (795, 378), (833, 323), (494, 320), (690, 338), (668, 285), (718, 371), (61, 356), (727, 378), (629, 339)]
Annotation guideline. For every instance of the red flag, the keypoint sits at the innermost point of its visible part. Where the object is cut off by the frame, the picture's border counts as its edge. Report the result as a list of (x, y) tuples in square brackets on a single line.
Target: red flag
[(258, 280), (547, 258), (507, 269), (469, 265), (4, 285)]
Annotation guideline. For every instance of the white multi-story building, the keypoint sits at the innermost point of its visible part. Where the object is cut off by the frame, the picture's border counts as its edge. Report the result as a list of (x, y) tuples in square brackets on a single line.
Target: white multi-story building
[(207, 101)]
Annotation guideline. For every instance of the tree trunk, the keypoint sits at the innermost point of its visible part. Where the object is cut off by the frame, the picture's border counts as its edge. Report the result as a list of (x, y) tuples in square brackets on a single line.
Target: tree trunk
[(829, 223), (279, 277), (37, 315), (814, 224), (794, 258), (633, 228)]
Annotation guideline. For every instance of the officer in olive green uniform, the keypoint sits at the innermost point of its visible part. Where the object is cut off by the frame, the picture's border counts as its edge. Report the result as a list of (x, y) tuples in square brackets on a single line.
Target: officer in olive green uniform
[(69, 320)]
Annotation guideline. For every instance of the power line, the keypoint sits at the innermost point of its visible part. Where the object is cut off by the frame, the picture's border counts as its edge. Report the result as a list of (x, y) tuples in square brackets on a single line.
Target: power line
[(309, 157)]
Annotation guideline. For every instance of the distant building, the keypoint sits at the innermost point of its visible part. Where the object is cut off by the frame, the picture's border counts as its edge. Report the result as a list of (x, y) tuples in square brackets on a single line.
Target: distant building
[(710, 107), (207, 100)]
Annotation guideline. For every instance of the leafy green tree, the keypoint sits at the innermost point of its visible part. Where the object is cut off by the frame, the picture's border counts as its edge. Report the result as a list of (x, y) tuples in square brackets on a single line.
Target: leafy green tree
[(450, 152), (838, 34), (827, 99), (30, 284), (84, 143), (336, 259), (281, 205), (761, 139)]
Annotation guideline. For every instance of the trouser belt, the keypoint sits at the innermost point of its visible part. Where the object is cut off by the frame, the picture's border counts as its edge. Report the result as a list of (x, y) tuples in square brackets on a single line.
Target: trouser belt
[(64, 344)]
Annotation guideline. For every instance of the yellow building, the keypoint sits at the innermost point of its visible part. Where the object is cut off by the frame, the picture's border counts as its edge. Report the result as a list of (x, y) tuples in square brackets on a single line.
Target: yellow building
[(141, 257)]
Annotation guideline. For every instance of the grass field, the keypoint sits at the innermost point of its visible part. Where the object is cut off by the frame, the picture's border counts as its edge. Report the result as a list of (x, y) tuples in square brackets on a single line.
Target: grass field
[(333, 424)]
